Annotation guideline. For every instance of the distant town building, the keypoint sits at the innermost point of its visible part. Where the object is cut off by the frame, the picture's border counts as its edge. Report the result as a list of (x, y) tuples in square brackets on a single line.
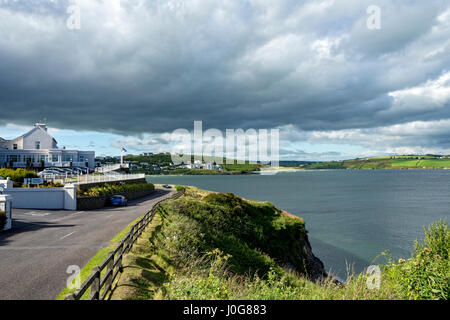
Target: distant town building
[(210, 166), (37, 148)]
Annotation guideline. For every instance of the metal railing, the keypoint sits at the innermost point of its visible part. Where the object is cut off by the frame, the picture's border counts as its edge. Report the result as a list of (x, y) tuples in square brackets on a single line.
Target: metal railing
[(100, 286), (111, 167), (91, 178)]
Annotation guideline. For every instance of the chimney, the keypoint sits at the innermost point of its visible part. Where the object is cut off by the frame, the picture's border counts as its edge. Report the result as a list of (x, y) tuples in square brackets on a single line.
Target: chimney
[(41, 125)]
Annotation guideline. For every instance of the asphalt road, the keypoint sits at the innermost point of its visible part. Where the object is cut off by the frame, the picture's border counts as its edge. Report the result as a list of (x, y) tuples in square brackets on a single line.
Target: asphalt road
[(35, 254)]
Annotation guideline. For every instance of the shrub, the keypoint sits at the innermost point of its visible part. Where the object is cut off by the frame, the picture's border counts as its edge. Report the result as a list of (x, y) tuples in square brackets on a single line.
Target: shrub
[(3, 220), (426, 274), (17, 175), (179, 188), (437, 239), (252, 233), (108, 189)]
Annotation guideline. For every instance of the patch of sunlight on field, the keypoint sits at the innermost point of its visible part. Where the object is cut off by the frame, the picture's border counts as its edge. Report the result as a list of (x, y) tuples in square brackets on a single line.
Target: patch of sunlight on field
[(436, 163), (399, 163)]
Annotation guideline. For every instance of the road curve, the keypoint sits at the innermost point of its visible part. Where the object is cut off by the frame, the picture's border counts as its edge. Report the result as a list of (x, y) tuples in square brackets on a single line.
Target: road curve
[(35, 255)]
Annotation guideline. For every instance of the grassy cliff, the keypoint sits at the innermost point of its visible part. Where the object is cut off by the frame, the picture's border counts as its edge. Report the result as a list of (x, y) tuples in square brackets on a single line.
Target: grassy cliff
[(218, 246)]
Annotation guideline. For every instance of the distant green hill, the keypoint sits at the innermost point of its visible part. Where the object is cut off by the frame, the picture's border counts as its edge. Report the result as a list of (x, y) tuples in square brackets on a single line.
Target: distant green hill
[(164, 159), (295, 163), (388, 162)]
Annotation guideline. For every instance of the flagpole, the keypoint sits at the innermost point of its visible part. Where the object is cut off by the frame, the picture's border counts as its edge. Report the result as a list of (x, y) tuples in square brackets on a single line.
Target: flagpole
[(122, 151)]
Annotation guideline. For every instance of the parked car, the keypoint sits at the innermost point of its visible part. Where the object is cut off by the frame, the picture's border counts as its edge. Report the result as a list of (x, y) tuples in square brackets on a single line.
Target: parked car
[(119, 201), (80, 169), (49, 172), (67, 171), (167, 186)]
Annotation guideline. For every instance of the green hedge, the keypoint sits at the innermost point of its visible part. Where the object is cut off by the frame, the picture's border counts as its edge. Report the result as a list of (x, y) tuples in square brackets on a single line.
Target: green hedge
[(109, 189), (17, 175)]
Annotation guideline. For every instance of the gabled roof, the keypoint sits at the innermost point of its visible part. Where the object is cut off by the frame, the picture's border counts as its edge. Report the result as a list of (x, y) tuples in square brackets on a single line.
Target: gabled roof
[(33, 130), (36, 127)]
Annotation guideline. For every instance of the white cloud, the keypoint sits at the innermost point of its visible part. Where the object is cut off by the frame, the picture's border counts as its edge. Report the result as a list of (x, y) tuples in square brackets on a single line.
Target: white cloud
[(412, 137), (433, 94)]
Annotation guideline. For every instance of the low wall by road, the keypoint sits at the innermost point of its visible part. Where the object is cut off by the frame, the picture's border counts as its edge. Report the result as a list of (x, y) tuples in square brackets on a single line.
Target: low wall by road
[(63, 198), (5, 209), (44, 198), (91, 203), (85, 186)]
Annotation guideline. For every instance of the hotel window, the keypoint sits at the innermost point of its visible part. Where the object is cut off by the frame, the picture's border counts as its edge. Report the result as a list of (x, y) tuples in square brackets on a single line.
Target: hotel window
[(15, 146), (55, 158), (81, 158), (67, 157), (12, 158), (37, 145)]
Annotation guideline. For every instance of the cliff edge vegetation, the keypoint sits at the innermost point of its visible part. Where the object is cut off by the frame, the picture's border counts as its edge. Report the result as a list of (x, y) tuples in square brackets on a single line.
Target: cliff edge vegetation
[(219, 246)]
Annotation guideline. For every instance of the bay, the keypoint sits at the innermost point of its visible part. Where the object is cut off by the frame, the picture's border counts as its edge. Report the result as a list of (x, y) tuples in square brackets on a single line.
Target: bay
[(351, 215)]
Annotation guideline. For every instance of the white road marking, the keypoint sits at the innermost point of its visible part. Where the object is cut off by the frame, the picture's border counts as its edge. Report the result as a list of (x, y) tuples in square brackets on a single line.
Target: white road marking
[(67, 235), (93, 246), (34, 214)]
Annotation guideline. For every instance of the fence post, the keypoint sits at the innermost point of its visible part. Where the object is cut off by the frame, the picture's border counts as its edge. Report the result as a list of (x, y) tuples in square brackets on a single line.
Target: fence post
[(69, 297), (95, 287), (119, 258), (128, 242), (110, 271), (130, 245)]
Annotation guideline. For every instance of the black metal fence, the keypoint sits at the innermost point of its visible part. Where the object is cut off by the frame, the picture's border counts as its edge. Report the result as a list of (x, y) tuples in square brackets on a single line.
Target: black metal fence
[(100, 286)]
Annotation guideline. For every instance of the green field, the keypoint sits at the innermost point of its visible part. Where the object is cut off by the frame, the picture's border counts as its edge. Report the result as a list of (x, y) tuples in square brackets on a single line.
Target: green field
[(397, 162)]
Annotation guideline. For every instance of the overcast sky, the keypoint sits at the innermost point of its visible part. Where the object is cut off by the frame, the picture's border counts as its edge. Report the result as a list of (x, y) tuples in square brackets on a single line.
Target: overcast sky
[(136, 70)]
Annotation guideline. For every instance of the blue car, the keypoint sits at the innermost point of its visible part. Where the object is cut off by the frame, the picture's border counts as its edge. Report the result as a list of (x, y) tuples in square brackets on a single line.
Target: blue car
[(119, 201)]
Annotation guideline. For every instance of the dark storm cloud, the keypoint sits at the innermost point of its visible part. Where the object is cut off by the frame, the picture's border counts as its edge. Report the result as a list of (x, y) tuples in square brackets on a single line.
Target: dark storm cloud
[(152, 67)]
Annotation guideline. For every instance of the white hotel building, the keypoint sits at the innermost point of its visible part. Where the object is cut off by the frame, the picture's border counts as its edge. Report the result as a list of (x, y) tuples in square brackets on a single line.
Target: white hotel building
[(37, 148)]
